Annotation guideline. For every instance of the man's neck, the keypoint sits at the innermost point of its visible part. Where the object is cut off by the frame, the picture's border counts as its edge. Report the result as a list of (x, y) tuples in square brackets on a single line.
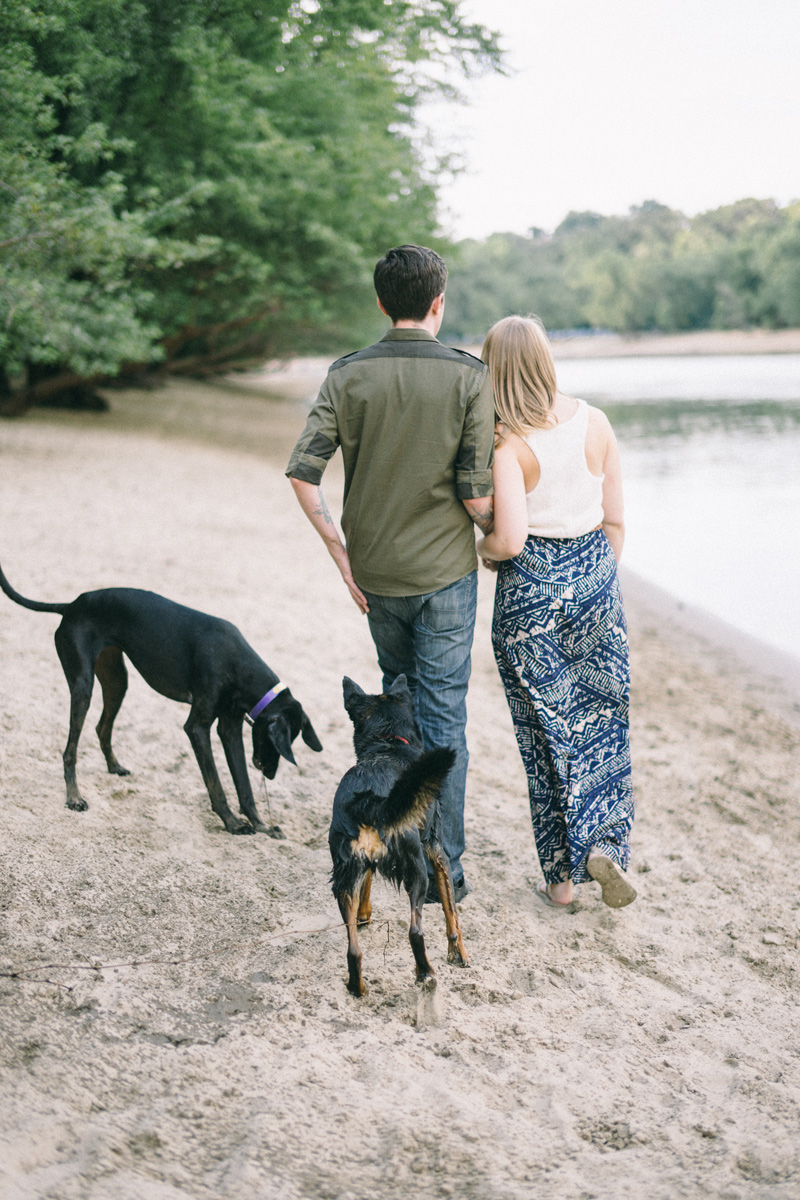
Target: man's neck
[(430, 325)]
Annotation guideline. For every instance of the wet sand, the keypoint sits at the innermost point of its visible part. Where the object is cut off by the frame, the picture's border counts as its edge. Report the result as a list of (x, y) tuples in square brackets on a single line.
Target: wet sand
[(651, 1052)]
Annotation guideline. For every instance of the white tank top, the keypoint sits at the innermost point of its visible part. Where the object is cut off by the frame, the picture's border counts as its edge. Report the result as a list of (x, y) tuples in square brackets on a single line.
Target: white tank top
[(568, 499)]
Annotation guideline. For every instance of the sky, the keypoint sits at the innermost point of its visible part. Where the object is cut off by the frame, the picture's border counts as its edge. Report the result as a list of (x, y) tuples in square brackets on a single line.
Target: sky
[(695, 103)]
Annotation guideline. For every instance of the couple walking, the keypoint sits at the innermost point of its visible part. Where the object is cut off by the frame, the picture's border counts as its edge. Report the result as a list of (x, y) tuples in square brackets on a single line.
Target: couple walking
[(418, 423)]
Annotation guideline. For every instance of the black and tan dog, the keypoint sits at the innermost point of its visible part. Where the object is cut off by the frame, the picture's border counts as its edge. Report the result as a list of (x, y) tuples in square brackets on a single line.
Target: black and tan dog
[(186, 656), (386, 819)]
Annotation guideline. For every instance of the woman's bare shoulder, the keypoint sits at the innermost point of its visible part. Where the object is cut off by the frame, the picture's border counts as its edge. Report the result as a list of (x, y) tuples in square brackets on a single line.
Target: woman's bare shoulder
[(597, 417), (506, 439), (515, 446), (599, 428)]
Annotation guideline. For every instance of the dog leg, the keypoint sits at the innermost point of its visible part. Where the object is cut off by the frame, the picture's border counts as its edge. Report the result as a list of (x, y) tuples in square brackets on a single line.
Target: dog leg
[(81, 682), (199, 733), (230, 734), (78, 708), (364, 903), (424, 969), (348, 907), (416, 889), (110, 670), (444, 882)]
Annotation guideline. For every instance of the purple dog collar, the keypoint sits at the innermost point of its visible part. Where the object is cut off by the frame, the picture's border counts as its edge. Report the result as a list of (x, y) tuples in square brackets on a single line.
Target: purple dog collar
[(263, 702)]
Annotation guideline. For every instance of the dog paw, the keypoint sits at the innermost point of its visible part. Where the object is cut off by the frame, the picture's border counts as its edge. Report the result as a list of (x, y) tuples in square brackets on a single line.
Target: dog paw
[(456, 957), (118, 770), (274, 831), (78, 805), (430, 1003), (241, 827)]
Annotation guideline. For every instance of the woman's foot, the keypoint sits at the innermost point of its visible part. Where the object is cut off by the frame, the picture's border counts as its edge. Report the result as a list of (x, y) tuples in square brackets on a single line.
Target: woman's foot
[(616, 890), (556, 895)]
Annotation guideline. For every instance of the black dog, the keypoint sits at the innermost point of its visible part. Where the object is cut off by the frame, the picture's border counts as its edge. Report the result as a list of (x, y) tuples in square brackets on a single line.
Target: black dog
[(386, 819), (187, 656)]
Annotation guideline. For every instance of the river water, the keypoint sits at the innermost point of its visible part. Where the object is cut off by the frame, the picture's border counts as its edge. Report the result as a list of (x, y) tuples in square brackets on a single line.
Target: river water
[(711, 468)]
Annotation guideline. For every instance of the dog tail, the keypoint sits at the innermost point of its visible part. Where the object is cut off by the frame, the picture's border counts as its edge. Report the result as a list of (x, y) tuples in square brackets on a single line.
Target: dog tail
[(36, 605), (407, 804)]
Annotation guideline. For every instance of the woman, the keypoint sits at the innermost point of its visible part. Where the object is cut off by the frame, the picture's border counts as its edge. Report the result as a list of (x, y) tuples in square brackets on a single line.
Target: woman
[(559, 630)]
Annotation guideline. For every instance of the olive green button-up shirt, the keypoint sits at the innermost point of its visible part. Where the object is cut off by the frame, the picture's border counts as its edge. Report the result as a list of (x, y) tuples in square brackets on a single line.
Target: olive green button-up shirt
[(415, 422)]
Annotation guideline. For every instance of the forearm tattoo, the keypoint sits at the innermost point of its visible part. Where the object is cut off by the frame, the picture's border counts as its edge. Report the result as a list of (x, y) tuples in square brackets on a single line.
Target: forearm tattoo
[(484, 516), (322, 509)]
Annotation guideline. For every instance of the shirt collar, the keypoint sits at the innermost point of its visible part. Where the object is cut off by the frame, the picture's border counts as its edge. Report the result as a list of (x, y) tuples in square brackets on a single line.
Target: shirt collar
[(408, 335)]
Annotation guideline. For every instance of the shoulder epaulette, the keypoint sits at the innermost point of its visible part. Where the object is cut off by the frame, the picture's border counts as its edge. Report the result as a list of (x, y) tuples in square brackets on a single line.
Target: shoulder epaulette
[(466, 354), (343, 359)]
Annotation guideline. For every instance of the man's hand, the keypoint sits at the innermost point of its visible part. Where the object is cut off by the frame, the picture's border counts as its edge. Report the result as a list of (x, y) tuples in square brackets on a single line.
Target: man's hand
[(352, 586), (313, 505)]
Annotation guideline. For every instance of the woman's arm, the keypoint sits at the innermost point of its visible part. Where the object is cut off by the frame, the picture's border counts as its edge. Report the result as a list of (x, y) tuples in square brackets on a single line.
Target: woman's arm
[(613, 510), (510, 510)]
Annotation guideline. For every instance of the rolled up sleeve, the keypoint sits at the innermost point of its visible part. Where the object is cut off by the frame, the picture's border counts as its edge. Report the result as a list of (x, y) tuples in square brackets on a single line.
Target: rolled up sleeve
[(317, 443), (476, 450)]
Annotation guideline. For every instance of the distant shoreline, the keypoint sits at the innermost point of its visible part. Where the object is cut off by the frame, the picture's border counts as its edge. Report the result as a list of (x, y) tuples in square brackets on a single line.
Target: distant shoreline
[(301, 376), (700, 341)]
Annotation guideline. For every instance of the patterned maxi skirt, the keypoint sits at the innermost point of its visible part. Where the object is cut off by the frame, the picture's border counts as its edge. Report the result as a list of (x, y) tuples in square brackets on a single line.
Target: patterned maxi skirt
[(561, 645)]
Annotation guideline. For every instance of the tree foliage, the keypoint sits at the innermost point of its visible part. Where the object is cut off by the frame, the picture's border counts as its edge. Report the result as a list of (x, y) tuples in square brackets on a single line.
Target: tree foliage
[(732, 267), (202, 182)]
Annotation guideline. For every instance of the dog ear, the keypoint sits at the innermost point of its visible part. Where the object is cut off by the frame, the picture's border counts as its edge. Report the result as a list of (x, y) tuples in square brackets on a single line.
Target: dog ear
[(309, 736), (400, 688), (281, 737), (352, 693)]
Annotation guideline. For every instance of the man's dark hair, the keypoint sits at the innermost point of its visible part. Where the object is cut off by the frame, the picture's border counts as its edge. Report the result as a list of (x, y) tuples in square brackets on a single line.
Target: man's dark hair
[(408, 279)]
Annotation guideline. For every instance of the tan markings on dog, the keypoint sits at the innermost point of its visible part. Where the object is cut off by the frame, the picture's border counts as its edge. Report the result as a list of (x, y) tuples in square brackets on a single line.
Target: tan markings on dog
[(368, 843), (416, 815)]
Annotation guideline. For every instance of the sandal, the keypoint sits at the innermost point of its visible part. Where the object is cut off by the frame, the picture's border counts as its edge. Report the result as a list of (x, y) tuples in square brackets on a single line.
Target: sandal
[(617, 892)]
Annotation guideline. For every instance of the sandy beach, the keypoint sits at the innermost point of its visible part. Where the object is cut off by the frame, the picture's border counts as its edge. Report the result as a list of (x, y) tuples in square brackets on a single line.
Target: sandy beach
[(652, 1052)]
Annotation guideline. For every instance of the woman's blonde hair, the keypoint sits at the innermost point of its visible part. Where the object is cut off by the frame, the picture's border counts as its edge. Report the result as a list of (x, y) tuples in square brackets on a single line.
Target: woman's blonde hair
[(522, 371)]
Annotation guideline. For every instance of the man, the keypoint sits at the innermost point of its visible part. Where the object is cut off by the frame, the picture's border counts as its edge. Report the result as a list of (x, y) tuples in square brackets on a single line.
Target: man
[(415, 422)]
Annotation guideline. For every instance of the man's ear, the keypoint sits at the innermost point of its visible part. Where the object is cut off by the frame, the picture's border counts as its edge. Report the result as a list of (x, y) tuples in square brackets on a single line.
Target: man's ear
[(380, 306), (438, 304)]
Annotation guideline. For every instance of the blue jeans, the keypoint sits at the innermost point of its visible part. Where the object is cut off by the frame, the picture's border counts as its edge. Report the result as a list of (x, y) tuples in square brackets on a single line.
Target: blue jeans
[(429, 640)]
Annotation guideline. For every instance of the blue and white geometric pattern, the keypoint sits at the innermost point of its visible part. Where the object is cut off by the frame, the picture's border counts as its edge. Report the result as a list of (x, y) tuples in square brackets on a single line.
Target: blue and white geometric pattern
[(561, 645)]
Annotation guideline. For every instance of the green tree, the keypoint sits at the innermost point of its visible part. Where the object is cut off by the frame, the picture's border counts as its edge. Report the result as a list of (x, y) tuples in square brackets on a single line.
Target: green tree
[(205, 184), (653, 268)]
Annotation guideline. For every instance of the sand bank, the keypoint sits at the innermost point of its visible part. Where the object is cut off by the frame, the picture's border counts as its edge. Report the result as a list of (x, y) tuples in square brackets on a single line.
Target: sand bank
[(648, 1052), (700, 341)]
